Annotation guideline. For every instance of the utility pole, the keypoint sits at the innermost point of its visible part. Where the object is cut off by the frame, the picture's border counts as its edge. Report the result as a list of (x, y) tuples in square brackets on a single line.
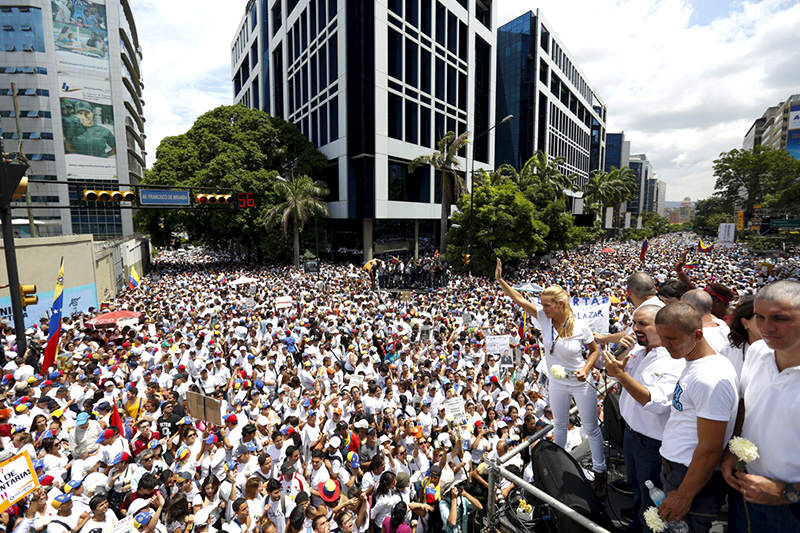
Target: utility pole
[(12, 170)]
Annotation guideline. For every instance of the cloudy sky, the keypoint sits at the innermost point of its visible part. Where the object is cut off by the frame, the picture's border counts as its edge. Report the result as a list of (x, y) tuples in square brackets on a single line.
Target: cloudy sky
[(684, 79)]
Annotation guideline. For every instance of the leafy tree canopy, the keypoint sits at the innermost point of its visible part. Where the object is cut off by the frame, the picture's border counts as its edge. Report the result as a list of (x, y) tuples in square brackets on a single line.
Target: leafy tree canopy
[(230, 149)]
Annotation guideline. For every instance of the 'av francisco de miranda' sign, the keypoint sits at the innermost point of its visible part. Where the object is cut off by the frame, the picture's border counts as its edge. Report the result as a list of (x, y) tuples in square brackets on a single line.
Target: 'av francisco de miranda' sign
[(17, 480)]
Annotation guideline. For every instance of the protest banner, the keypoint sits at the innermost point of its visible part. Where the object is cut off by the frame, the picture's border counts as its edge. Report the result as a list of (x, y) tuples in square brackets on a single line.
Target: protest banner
[(282, 302), (17, 479), (497, 343), (121, 526), (594, 311)]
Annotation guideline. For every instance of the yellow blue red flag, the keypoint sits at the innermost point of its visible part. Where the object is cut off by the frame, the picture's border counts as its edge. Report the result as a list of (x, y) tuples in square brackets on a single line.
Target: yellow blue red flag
[(54, 331), (133, 278)]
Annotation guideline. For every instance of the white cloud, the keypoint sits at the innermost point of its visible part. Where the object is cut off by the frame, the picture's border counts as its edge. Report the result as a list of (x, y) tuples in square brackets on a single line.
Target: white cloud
[(683, 93), (186, 61)]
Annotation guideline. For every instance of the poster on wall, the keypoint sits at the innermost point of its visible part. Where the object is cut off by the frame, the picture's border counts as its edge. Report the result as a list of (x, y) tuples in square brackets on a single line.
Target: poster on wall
[(81, 35), (76, 300), (793, 143), (87, 121)]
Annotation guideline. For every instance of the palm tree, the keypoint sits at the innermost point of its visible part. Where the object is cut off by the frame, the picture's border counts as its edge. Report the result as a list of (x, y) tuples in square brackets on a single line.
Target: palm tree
[(542, 172), (302, 198), (444, 160), (604, 189)]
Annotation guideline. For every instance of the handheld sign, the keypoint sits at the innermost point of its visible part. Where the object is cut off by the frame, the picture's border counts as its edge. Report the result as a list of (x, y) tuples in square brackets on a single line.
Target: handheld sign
[(17, 480), (497, 344)]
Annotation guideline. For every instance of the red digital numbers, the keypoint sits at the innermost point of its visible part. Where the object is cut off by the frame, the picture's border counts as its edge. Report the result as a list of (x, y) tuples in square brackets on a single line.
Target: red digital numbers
[(247, 199)]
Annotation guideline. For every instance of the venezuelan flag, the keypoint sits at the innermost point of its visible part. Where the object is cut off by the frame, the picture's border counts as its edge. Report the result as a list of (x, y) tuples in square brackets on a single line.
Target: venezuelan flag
[(54, 331), (704, 247), (691, 264), (643, 252), (133, 278)]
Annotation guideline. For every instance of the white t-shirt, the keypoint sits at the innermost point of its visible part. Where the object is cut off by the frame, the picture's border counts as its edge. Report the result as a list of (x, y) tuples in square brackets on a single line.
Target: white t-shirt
[(657, 371), (567, 352), (707, 389), (772, 402)]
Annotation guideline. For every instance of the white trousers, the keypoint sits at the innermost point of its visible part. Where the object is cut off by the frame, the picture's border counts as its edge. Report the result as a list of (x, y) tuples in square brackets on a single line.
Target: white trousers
[(586, 400)]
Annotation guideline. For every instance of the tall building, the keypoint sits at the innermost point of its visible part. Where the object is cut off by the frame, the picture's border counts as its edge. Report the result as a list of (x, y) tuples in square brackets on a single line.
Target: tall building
[(643, 171), (555, 108), (777, 128), (75, 69), (374, 85), (618, 151), (656, 195)]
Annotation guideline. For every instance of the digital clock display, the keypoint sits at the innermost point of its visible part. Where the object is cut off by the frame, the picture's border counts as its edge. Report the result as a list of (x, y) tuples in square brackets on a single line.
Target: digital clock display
[(246, 199)]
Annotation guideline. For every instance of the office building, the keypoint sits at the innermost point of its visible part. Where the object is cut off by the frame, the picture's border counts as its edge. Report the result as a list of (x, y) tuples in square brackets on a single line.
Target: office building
[(655, 196), (643, 171), (680, 212), (618, 151), (374, 85), (777, 128), (76, 70), (557, 111)]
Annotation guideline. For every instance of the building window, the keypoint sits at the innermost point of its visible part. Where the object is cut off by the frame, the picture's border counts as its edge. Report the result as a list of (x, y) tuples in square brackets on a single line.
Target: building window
[(439, 79), (425, 126), (441, 22), (483, 12), (395, 54), (254, 16), (22, 30), (277, 18), (333, 58), (395, 116), (408, 187), (425, 17), (332, 8), (452, 33), (425, 71), (323, 125), (323, 67), (411, 63), (411, 122), (277, 60), (396, 6), (412, 16), (333, 106)]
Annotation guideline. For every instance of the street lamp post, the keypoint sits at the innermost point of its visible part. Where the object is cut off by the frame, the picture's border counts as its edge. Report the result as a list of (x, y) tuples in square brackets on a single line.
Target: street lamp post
[(506, 119)]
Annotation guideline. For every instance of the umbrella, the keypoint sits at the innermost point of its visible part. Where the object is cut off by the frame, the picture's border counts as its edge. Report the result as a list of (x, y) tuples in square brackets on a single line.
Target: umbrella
[(608, 250), (530, 287), (241, 281), (114, 318)]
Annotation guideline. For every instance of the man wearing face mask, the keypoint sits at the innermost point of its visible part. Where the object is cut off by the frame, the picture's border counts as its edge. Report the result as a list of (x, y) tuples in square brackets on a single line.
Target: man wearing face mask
[(648, 375)]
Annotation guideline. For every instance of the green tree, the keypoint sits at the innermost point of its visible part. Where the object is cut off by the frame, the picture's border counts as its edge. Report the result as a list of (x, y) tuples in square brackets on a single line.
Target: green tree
[(541, 180), (504, 225), (609, 189), (444, 160), (301, 198), (230, 149), (710, 212), (749, 177)]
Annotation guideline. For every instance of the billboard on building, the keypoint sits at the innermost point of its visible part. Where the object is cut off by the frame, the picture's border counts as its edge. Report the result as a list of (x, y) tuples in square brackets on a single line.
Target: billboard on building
[(87, 114), (81, 34), (794, 117)]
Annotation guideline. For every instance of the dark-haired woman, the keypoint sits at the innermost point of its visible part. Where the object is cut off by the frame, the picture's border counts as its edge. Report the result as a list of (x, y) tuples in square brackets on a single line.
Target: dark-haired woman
[(396, 521), (743, 333)]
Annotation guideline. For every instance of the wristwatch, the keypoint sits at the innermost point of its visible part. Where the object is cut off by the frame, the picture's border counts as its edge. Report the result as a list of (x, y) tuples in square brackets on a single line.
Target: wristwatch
[(791, 493)]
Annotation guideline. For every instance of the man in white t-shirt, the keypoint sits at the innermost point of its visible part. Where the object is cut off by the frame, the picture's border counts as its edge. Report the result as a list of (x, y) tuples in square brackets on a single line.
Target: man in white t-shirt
[(700, 423), (648, 375), (770, 488)]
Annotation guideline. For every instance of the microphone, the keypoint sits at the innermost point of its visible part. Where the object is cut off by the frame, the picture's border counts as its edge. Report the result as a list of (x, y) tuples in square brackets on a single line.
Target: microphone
[(618, 351)]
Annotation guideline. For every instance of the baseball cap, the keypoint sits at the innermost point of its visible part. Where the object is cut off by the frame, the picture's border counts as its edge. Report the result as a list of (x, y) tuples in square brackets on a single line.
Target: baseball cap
[(105, 435), (60, 500)]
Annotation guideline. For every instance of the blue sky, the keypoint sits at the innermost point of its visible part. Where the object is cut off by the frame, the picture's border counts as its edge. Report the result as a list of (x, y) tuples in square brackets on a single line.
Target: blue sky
[(684, 79)]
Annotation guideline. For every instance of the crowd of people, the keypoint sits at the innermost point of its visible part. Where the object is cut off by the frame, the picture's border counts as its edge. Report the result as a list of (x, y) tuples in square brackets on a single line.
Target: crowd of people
[(332, 404)]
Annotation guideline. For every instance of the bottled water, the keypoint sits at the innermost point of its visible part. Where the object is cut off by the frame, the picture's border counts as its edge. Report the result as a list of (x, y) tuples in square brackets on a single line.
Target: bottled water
[(657, 496)]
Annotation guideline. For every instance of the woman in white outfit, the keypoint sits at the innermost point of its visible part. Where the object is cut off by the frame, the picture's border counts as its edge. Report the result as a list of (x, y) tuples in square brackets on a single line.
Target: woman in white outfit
[(564, 339)]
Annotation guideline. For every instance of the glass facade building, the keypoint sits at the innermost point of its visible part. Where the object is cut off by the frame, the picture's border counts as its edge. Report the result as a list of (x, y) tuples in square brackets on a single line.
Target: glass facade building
[(555, 109), (372, 86), (75, 67)]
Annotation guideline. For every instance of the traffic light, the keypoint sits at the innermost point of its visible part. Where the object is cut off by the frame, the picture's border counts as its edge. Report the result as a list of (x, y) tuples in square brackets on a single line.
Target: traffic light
[(108, 196), (213, 198), (466, 258), (28, 294)]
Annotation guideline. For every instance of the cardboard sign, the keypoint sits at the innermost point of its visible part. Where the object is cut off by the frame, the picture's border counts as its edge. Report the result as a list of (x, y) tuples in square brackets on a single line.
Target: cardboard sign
[(595, 312), (17, 480), (204, 407), (356, 380), (497, 344)]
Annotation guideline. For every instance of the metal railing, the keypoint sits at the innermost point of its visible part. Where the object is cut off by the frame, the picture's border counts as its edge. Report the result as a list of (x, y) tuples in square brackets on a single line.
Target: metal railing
[(495, 467)]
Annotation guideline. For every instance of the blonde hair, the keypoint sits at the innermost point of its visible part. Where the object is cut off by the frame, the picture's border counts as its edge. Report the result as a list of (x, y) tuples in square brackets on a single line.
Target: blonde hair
[(559, 295)]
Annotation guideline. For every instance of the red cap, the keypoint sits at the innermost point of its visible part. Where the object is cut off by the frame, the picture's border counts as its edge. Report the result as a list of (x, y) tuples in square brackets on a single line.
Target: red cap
[(231, 418), (181, 367), (46, 480)]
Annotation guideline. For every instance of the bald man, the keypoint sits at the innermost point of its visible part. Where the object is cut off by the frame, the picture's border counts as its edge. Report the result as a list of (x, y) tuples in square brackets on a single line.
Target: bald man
[(715, 330), (700, 423)]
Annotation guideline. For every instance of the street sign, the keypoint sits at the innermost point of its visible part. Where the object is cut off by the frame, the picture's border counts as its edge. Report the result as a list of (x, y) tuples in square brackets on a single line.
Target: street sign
[(164, 197), (784, 223)]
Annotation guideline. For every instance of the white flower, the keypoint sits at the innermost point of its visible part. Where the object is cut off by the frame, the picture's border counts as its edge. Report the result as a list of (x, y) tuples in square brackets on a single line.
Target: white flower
[(654, 521), (558, 372), (743, 449)]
